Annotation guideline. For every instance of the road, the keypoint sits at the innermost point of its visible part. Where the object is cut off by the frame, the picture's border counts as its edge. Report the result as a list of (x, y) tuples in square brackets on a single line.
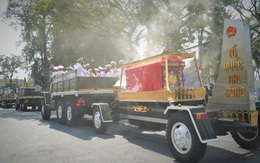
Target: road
[(26, 138)]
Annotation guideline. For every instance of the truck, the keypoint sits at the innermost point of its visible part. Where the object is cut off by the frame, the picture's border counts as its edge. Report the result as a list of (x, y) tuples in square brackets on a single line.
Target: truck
[(166, 92), (72, 96), (28, 97), (8, 98)]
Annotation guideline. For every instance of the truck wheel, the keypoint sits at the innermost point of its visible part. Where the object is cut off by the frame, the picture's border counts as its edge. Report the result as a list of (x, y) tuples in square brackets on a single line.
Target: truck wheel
[(248, 140), (61, 113), (33, 107), (183, 140), (46, 112), (70, 115), (99, 126), (17, 106)]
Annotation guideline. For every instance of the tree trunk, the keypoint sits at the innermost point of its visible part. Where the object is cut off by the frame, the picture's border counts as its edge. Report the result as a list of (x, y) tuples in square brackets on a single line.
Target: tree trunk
[(200, 37), (45, 63)]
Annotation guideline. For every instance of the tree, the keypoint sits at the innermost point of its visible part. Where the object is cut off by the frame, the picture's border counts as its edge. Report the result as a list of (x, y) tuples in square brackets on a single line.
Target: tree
[(9, 66), (32, 16)]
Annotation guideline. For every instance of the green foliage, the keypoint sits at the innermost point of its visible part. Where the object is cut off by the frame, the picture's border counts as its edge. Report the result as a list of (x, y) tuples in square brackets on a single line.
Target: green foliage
[(58, 32), (9, 66)]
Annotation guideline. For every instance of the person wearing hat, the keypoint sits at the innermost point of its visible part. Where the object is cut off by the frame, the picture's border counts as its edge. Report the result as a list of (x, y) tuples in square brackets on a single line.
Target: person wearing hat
[(55, 70), (79, 67), (107, 70), (113, 69), (121, 62), (60, 69), (97, 73), (102, 71), (90, 72)]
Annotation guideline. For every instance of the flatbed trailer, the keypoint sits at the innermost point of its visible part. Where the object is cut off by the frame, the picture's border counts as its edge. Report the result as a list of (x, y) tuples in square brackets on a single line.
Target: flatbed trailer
[(72, 96)]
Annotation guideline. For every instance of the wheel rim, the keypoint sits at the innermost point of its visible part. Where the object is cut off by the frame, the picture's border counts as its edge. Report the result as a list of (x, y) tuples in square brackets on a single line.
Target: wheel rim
[(69, 113), (59, 112), (248, 136), (97, 120), (181, 138)]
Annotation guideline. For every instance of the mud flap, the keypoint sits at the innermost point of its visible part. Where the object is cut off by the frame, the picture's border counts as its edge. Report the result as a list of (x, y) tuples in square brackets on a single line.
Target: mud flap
[(200, 121), (105, 111)]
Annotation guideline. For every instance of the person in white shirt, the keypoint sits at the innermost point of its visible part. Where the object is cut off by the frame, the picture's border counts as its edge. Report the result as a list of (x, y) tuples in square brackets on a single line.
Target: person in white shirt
[(113, 69), (97, 73), (102, 71), (121, 62), (79, 67), (60, 70), (107, 70), (55, 70)]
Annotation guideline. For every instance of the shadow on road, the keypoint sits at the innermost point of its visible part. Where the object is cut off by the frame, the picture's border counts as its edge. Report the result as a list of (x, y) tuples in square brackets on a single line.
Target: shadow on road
[(149, 140), (216, 155), (82, 130)]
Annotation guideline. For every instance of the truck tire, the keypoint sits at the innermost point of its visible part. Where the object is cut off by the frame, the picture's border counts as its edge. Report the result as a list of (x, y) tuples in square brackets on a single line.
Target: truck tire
[(248, 140), (46, 112), (71, 117), (99, 126), (33, 107), (183, 140), (60, 112), (17, 106)]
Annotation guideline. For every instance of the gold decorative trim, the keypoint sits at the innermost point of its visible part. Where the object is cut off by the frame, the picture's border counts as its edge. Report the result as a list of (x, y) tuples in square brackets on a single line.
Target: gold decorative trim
[(250, 117), (140, 109), (164, 95)]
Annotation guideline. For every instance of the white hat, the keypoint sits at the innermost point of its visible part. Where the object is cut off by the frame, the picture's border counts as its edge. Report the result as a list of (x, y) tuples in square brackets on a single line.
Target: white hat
[(121, 62), (113, 63), (100, 68), (80, 59), (108, 66), (60, 67), (55, 68)]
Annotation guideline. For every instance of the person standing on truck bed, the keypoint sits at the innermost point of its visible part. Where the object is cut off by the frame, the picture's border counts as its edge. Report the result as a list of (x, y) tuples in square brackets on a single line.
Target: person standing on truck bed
[(113, 70), (55, 70), (60, 70), (79, 67), (121, 62)]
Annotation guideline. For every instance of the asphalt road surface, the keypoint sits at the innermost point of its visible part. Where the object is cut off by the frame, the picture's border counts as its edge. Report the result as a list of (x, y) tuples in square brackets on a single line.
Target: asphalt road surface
[(26, 138)]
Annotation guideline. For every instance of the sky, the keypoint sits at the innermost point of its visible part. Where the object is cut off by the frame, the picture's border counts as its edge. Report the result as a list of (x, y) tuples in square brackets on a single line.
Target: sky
[(8, 40)]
